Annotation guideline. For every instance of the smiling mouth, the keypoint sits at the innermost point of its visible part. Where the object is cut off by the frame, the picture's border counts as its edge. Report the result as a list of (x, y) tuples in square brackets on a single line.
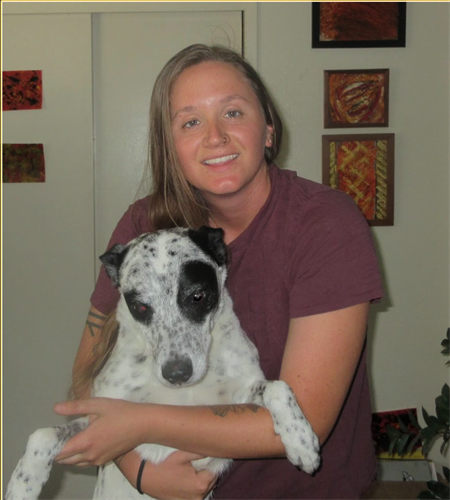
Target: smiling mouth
[(221, 160)]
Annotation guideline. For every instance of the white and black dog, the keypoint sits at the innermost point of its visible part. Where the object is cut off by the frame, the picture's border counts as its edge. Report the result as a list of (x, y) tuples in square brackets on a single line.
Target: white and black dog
[(179, 342)]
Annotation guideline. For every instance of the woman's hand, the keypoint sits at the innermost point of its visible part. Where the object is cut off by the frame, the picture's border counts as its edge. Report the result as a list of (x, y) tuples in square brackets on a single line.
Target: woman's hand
[(114, 429), (174, 478)]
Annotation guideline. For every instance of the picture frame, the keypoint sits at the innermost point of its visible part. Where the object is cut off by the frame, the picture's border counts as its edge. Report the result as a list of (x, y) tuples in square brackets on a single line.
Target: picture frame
[(23, 163), (362, 165), (358, 24), (356, 98)]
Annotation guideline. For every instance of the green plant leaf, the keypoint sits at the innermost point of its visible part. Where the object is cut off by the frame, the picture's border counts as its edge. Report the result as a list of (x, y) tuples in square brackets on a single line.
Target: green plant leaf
[(445, 392), (439, 489), (442, 410), (414, 420), (444, 447), (426, 495), (446, 346), (412, 444), (446, 473), (427, 436), (401, 425), (425, 415), (401, 445)]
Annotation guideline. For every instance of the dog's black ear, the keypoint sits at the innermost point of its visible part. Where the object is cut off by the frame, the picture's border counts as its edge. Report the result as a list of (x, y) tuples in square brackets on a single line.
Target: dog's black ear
[(210, 240), (112, 260)]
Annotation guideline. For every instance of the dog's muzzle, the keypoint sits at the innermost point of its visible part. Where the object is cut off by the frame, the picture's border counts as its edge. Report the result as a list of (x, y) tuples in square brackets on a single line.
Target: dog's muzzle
[(177, 371)]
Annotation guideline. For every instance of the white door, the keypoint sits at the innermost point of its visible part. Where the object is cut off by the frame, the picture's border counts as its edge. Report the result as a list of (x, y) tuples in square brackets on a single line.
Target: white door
[(129, 51), (48, 247)]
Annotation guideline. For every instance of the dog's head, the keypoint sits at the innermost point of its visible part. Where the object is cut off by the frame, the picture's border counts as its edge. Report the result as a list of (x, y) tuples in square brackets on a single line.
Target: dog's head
[(171, 283)]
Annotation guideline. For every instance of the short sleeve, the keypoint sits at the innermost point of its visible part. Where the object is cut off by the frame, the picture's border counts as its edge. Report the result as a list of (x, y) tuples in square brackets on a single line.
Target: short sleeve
[(335, 263), (133, 223)]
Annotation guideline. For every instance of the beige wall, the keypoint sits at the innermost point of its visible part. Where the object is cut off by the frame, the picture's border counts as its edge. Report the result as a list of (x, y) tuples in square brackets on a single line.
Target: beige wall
[(406, 365)]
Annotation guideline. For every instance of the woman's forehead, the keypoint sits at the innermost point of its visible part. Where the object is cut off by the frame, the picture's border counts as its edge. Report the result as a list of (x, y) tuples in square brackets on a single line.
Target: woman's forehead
[(216, 78)]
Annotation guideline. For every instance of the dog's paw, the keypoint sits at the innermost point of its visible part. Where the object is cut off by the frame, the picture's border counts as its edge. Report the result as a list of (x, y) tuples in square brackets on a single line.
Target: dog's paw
[(34, 467), (25, 484), (299, 439)]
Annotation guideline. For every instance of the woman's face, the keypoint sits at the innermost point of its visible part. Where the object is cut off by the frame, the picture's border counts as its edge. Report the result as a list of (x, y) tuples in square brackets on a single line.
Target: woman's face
[(219, 130)]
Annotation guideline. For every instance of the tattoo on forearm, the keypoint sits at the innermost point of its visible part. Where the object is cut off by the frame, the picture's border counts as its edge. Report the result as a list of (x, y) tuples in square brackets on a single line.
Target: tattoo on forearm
[(223, 410), (93, 326)]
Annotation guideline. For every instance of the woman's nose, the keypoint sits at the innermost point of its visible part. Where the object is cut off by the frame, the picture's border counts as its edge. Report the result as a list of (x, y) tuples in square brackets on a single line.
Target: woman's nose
[(215, 135)]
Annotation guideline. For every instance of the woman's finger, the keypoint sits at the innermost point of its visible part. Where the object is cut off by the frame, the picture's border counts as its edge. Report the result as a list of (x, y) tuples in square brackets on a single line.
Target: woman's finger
[(76, 407), (78, 460)]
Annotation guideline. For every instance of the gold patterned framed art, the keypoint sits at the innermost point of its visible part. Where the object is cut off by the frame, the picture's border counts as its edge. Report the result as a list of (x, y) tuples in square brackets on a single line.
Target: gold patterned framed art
[(362, 165)]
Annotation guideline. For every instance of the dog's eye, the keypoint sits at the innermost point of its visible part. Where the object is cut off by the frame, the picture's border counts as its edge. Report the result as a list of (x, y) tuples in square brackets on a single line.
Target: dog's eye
[(140, 308), (198, 297), (140, 311)]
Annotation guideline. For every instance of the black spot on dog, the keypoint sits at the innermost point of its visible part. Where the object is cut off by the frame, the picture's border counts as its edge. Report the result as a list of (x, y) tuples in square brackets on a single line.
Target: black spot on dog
[(198, 291), (210, 240), (140, 311)]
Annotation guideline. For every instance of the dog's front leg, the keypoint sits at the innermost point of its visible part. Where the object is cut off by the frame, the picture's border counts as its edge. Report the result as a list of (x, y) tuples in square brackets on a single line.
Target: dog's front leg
[(34, 467), (300, 441)]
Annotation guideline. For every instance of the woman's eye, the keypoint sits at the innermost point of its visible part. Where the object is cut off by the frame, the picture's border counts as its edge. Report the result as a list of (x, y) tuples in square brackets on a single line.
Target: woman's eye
[(233, 113), (191, 123), (198, 297)]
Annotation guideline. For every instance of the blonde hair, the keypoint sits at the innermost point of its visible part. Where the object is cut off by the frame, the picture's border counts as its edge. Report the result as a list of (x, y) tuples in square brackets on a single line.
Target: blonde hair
[(173, 201), (84, 378)]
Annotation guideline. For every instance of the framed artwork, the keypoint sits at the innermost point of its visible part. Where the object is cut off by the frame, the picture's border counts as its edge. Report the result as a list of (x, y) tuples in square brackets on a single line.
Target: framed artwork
[(358, 24), (363, 167), (23, 163), (356, 98), (22, 90)]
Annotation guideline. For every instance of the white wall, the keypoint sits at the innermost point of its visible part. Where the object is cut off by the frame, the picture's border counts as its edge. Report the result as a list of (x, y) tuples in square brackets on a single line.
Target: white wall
[(406, 365), (48, 230)]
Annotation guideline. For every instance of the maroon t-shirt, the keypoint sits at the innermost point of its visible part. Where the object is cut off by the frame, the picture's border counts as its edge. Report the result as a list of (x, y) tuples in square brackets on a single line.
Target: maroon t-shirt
[(308, 251)]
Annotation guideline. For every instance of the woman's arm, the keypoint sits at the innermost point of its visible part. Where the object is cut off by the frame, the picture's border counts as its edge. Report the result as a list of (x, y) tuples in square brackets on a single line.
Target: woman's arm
[(175, 477), (86, 350), (321, 356), (320, 359)]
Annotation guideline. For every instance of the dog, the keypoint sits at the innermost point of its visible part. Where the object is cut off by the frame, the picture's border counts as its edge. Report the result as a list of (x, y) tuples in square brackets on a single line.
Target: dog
[(179, 342)]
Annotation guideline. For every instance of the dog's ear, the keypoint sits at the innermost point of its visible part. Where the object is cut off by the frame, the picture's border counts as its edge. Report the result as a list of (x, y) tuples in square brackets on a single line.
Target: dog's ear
[(112, 260), (210, 240)]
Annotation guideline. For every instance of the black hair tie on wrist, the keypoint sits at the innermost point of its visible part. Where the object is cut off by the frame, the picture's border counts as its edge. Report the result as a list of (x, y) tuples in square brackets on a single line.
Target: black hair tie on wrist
[(139, 476)]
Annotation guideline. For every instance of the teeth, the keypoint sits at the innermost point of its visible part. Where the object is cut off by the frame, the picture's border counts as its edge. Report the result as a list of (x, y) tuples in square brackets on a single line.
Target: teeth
[(215, 161)]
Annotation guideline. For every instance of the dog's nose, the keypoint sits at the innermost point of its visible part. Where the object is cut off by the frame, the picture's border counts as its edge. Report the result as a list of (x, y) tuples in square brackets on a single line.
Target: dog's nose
[(178, 370)]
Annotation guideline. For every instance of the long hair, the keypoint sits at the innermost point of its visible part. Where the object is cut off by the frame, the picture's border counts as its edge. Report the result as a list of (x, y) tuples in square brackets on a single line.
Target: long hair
[(84, 379), (173, 201)]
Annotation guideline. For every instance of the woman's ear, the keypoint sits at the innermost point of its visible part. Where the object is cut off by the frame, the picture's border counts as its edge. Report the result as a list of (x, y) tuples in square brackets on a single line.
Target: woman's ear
[(269, 136)]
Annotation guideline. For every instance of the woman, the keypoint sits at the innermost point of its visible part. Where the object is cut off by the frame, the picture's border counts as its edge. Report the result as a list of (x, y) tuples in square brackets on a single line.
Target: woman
[(303, 272)]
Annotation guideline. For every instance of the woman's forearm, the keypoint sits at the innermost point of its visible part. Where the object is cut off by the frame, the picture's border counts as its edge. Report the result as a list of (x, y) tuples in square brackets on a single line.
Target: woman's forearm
[(86, 353), (229, 431), (226, 431)]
